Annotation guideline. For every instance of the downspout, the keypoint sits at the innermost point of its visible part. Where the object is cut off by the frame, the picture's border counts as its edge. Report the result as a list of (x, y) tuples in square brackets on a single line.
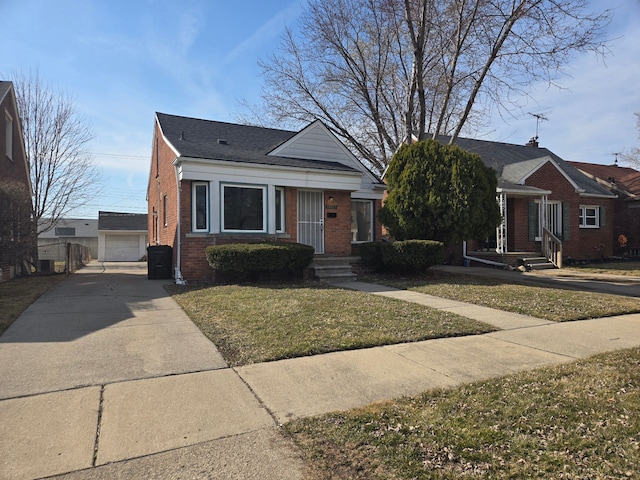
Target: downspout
[(481, 260), (177, 273)]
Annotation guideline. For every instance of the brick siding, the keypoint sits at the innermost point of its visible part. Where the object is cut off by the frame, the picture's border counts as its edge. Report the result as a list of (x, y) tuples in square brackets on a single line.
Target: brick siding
[(583, 243), (12, 169)]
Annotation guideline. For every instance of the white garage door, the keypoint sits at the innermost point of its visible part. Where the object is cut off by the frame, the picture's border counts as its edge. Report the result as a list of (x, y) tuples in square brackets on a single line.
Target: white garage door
[(121, 248)]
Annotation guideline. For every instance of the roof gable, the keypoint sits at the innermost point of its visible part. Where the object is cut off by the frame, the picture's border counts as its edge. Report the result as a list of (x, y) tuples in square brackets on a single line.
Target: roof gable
[(7, 92), (501, 156), (520, 171), (4, 89), (315, 141), (212, 140)]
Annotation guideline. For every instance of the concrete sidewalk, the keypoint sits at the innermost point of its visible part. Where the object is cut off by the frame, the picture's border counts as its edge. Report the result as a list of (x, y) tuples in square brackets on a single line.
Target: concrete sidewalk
[(105, 377)]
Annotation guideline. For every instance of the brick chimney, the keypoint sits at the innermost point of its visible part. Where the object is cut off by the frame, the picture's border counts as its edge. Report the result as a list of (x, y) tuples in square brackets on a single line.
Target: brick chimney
[(533, 142)]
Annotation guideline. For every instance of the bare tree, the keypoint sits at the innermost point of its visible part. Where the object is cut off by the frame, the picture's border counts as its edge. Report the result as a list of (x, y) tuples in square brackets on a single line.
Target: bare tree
[(64, 175), (380, 72), (633, 157)]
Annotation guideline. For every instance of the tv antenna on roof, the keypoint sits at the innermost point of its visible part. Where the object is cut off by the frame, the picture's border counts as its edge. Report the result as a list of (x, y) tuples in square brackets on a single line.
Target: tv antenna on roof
[(539, 118), (615, 160)]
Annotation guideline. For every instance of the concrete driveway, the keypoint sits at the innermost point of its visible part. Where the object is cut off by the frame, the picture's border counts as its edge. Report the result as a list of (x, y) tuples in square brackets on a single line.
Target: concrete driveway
[(105, 368), (103, 324)]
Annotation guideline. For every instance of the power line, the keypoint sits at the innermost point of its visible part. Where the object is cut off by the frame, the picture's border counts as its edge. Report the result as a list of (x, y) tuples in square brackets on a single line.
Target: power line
[(120, 155)]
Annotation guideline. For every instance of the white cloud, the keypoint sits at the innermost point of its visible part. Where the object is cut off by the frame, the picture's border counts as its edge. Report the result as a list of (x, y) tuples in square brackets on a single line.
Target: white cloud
[(268, 31)]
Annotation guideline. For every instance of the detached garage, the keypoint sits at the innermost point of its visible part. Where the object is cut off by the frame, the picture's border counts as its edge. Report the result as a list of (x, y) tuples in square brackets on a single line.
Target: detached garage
[(122, 237)]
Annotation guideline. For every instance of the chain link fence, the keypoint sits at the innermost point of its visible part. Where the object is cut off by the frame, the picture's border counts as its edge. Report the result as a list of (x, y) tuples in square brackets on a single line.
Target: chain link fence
[(62, 257)]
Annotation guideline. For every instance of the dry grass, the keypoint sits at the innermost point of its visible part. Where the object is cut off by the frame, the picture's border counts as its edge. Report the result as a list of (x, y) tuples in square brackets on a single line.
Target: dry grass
[(256, 323), (573, 421), (631, 268), (16, 295), (549, 303)]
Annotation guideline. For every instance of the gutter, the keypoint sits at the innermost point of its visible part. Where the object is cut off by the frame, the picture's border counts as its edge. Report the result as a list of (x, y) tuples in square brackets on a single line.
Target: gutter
[(177, 273), (481, 260)]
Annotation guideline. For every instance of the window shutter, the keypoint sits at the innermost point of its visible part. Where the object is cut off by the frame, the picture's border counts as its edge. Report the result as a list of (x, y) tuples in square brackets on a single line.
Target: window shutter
[(533, 221), (603, 216), (566, 221)]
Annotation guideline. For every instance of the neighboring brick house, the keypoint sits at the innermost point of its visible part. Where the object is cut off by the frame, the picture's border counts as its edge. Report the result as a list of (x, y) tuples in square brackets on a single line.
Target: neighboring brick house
[(624, 182), (15, 188), (214, 183), (546, 204)]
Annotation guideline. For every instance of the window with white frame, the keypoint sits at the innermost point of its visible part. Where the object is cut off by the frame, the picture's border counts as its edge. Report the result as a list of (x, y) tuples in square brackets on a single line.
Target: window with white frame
[(280, 224), (200, 206), (589, 216), (361, 220), (244, 208), (165, 207), (8, 130)]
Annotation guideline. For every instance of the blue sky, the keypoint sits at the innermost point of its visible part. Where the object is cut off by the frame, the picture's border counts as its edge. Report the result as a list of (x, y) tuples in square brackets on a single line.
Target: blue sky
[(123, 60)]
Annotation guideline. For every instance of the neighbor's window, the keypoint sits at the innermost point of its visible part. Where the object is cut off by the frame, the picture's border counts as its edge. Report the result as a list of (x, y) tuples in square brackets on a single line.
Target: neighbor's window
[(243, 208), (589, 216), (200, 206), (65, 231), (361, 220), (280, 227), (8, 135)]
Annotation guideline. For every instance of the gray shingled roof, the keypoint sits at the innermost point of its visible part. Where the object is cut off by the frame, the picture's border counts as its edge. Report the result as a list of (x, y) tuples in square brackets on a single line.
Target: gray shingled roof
[(122, 221), (208, 139), (4, 88), (498, 155)]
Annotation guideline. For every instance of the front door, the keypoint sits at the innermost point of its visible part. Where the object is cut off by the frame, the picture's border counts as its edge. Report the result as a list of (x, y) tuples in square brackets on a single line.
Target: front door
[(554, 218), (311, 219)]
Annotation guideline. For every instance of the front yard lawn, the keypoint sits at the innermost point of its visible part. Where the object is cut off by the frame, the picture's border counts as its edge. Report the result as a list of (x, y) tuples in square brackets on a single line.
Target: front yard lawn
[(577, 420), (257, 323), (549, 303), (630, 268)]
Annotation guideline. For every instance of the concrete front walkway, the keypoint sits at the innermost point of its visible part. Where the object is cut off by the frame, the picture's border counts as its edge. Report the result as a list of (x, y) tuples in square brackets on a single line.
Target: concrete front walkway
[(105, 377)]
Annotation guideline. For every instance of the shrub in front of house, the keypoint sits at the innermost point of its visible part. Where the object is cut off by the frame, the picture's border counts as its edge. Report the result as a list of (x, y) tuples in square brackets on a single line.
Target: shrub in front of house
[(403, 256), (256, 261), (371, 254)]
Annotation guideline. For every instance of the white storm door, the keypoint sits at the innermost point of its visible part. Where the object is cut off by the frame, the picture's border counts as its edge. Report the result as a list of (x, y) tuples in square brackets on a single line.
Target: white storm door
[(311, 219)]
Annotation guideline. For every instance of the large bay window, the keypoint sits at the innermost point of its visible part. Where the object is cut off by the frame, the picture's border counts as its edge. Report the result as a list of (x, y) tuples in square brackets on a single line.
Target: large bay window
[(244, 208)]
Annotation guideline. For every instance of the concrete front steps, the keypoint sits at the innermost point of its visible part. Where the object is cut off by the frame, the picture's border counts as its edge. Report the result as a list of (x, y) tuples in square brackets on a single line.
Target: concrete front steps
[(536, 263), (333, 269)]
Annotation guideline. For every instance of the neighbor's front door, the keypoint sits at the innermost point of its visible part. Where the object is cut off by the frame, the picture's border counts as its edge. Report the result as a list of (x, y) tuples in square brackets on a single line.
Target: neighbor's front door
[(311, 219)]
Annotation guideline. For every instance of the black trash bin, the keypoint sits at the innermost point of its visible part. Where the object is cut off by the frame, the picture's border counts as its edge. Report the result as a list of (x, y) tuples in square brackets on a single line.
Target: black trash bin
[(159, 262)]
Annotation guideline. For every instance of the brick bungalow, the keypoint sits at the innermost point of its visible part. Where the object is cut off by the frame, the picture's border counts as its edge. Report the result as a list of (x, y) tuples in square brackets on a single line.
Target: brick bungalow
[(549, 207), (16, 226), (624, 183), (215, 183)]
